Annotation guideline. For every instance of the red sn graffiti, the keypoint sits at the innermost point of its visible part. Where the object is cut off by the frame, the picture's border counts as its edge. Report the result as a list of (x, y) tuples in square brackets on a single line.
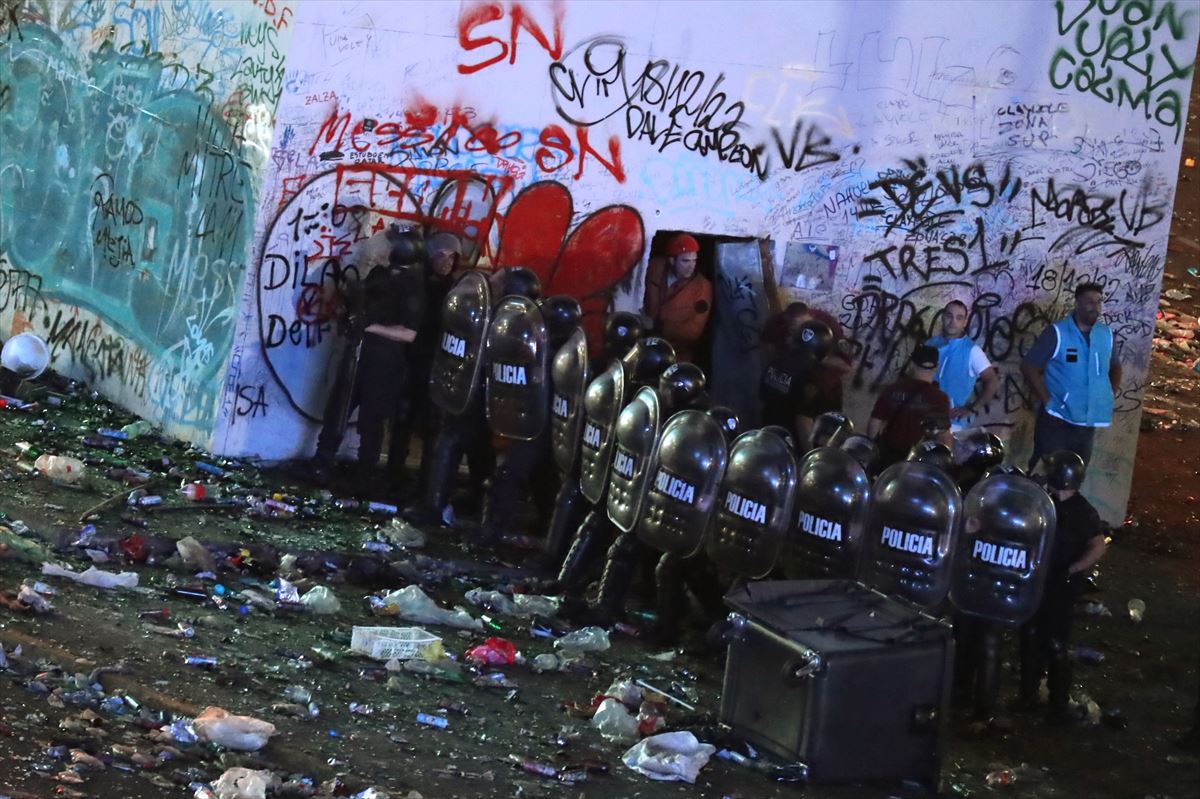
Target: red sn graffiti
[(482, 14), (585, 263)]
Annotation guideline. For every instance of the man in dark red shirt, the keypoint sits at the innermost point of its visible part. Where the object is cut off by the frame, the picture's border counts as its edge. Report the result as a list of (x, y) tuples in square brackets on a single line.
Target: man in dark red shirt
[(910, 409)]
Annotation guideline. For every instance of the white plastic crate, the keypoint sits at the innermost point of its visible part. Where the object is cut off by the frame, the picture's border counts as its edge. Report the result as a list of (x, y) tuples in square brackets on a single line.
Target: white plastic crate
[(385, 643)]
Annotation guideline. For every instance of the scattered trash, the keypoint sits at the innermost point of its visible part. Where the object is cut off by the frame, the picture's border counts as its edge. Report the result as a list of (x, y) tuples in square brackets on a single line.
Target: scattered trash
[(93, 576), (60, 468), (1096, 608), (494, 601), (585, 639), (615, 722), (1137, 610), (413, 604), (241, 733), (194, 555), (669, 756), (34, 600), (243, 783), (321, 600), (433, 721), (400, 643), (402, 534), (1085, 654), (494, 652)]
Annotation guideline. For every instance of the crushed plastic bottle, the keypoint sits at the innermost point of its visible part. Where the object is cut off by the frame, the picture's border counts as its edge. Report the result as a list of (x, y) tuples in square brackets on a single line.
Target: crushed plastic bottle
[(137, 429), (586, 639), (197, 492)]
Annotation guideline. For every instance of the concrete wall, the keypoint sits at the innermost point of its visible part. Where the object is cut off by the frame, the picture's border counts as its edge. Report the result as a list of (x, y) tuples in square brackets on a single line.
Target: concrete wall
[(133, 140), (999, 153)]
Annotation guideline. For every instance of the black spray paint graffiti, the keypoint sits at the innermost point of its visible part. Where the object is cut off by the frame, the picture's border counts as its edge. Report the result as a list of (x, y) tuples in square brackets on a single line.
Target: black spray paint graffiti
[(1122, 53), (1098, 221), (669, 105), (914, 200)]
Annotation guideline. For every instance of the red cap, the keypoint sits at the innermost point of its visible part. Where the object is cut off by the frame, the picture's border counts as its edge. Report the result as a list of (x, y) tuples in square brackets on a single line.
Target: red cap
[(681, 243)]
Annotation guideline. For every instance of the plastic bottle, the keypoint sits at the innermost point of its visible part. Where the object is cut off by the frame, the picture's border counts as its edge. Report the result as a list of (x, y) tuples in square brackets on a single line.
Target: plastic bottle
[(432, 721), (60, 468), (200, 491), (1002, 777), (137, 429), (108, 432)]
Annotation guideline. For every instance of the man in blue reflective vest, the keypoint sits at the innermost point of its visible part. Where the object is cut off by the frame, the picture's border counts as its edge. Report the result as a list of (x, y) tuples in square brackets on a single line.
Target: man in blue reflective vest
[(961, 365), (1073, 373)]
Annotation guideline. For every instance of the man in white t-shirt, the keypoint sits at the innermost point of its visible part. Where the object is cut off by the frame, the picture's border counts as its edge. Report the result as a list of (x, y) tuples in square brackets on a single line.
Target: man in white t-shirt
[(962, 365)]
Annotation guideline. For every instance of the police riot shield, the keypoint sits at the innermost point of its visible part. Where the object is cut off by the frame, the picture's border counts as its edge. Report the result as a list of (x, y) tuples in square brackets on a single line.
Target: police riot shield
[(830, 429), (755, 505), (569, 375), (635, 437), (458, 358), (913, 518), (684, 480), (518, 386), (1003, 558), (602, 402), (831, 509)]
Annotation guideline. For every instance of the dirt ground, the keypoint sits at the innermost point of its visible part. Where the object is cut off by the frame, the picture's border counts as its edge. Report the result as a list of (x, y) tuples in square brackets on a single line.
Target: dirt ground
[(1146, 685)]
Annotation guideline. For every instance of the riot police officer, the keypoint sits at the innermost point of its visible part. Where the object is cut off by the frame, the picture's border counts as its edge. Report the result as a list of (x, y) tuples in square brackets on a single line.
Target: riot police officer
[(384, 313), (606, 398), (463, 430), (680, 387), (517, 462), (1078, 546), (788, 390)]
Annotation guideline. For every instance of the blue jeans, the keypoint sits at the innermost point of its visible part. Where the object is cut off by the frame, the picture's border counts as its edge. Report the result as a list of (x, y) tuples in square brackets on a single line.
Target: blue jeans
[(1050, 434)]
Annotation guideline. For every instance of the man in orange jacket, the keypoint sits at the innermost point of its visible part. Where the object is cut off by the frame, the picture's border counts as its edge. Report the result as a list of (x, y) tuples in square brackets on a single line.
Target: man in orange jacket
[(678, 298)]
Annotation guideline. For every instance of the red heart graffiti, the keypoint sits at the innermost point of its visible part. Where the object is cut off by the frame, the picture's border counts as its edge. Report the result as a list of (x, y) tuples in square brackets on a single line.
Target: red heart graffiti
[(586, 264)]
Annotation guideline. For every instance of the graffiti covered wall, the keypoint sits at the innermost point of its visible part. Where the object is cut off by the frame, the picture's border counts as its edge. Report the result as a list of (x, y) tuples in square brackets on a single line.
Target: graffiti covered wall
[(891, 155), (133, 138)]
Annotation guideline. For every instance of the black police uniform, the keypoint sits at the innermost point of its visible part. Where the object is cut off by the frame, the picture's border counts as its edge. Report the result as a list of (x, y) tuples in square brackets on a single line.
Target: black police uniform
[(391, 296), (1045, 640)]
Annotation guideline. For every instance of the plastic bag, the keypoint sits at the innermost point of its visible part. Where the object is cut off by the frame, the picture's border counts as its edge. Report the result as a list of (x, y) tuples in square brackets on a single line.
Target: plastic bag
[(321, 600), (242, 733), (413, 604), (34, 600), (194, 556), (535, 605), (627, 691), (586, 639), (402, 534), (494, 652), (492, 600), (93, 576), (615, 722), (669, 756), (243, 783)]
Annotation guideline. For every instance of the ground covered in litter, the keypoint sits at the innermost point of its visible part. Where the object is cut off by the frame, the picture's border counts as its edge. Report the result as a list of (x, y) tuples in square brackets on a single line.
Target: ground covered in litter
[(247, 603)]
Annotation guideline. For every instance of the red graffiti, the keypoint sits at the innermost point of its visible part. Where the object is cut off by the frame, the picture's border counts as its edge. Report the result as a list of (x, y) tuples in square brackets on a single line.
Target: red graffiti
[(557, 149), (456, 200), (484, 14), (586, 263), (269, 8), (316, 305)]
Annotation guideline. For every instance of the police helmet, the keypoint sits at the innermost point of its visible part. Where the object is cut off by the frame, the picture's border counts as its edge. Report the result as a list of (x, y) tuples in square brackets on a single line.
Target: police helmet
[(978, 450), (622, 330), (680, 384), (812, 338), (1065, 470), (562, 315), (932, 453), (519, 280), (407, 247), (1004, 468), (728, 419), (783, 433), (830, 429), (648, 359), (863, 449)]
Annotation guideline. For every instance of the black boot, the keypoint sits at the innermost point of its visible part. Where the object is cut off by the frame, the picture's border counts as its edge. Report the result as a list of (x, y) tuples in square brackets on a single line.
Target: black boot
[(670, 600), (616, 579), (1058, 680), (586, 549), (569, 507), (443, 464), (987, 665)]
